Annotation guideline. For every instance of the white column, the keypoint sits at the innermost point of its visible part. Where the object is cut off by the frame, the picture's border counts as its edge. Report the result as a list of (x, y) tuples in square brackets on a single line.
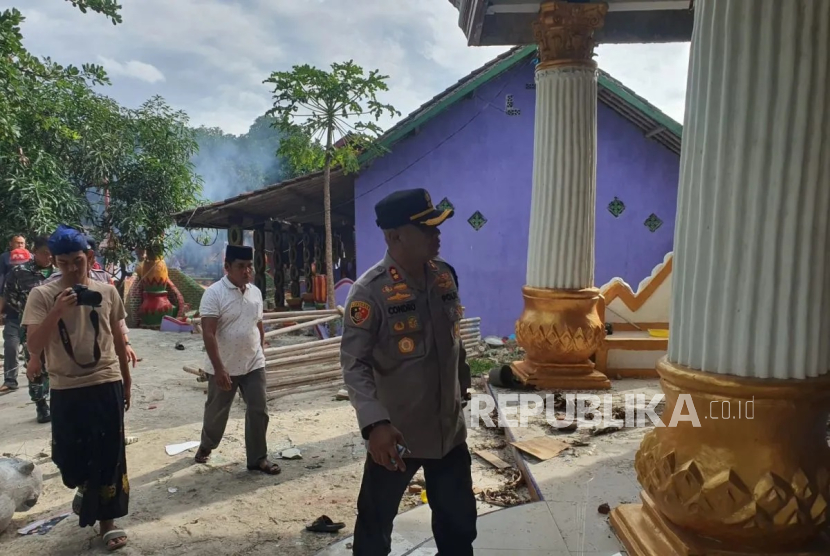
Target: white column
[(561, 242), (752, 241)]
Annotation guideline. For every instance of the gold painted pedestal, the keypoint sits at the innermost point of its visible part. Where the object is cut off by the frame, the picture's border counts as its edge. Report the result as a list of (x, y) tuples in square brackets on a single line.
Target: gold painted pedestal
[(753, 478), (560, 330)]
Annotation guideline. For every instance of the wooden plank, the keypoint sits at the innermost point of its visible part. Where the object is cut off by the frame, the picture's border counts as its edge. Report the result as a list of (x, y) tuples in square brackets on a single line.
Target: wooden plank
[(304, 346), (493, 459), (542, 447), (301, 326)]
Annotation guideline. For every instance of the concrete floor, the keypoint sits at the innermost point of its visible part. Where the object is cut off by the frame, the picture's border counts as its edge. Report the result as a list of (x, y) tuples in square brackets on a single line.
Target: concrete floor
[(571, 486), (527, 530)]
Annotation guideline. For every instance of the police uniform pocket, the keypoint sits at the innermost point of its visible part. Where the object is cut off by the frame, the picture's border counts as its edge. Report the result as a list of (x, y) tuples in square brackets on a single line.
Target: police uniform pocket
[(407, 335)]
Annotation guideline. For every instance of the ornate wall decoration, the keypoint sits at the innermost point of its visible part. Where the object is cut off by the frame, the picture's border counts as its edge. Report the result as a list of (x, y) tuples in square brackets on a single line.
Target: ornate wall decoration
[(565, 33)]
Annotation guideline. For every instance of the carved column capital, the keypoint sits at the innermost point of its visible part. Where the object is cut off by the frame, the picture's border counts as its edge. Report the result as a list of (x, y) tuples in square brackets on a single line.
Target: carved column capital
[(565, 33)]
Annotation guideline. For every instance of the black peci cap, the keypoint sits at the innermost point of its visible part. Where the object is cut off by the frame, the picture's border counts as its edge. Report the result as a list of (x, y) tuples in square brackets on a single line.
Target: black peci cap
[(409, 206), (239, 253)]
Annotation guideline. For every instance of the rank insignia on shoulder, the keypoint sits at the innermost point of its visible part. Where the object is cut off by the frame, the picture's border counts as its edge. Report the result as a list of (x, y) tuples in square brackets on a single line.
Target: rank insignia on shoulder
[(406, 345), (359, 312), (396, 276), (433, 266), (400, 296), (444, 281)]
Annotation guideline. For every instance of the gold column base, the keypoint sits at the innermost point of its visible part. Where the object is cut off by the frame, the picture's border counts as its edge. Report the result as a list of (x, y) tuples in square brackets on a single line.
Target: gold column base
[(644, 532), (560, 330), (749, 480)]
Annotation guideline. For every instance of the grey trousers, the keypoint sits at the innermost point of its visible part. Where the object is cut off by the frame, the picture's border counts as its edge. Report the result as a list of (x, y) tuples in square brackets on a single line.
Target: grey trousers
[(11, 350), (218, 407)]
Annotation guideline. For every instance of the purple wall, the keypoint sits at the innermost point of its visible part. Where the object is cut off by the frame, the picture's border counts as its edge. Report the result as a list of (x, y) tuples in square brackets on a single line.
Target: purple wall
[(481, 159)]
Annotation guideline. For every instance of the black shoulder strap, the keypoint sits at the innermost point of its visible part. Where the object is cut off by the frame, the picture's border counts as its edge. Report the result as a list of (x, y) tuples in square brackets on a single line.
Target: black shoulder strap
[(67, 343)]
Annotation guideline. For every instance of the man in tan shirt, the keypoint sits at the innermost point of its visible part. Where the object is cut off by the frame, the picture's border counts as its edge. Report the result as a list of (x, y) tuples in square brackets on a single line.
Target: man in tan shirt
[(74, 322)]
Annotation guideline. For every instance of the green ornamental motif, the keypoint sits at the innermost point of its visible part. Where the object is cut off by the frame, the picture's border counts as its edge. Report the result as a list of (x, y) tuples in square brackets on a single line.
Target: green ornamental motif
[(616, 207), (653, 222), (477, 221), (445, 204)]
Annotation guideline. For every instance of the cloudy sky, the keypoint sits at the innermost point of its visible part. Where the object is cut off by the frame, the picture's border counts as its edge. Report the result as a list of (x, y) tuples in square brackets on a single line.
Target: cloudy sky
[(209, 57)]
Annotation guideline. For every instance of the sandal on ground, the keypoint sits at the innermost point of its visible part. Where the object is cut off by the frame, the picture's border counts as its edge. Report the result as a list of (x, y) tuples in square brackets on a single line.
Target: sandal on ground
[(324, 524), (6, 389), (266, 467), (77, 502), (202, 455), (111, 539)]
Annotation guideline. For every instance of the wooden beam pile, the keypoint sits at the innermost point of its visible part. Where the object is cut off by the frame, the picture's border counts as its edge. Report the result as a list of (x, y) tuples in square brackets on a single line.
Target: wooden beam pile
[(471, 332), (297, 367)]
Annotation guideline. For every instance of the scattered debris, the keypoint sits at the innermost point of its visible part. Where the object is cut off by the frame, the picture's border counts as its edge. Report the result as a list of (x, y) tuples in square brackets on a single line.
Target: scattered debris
[(291, 453), (342, 395), (579, 443), (175, 449), (324, 524), (618, 413), (130, 440), (604, 428), (506, 495), (43, 526), (494, 341), (179, 346), (493, 459), (563, 425), (542, 447), (415, 489), (424, 498), (314, 466), (604, 508), (172, 490)]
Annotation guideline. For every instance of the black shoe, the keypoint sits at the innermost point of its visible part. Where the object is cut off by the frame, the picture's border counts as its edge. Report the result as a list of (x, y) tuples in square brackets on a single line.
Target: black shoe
[(43, 415)]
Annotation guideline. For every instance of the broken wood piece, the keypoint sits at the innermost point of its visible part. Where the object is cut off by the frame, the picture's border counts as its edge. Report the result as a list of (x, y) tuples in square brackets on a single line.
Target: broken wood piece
[(542, 447), (493, 459), (342, 395)]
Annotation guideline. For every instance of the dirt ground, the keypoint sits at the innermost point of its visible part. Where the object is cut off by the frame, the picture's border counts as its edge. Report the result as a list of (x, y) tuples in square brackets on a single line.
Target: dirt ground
[(177, 507)]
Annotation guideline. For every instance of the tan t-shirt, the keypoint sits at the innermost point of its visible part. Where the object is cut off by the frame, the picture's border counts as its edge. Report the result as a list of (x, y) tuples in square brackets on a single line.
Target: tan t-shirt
[(64, 373)]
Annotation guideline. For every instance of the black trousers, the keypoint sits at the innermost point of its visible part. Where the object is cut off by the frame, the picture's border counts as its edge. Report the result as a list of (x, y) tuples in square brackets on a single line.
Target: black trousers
[(449, 491)]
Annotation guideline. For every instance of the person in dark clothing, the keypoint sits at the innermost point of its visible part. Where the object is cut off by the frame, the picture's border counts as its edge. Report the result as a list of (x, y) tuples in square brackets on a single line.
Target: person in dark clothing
[(19, 283), (16, 255)]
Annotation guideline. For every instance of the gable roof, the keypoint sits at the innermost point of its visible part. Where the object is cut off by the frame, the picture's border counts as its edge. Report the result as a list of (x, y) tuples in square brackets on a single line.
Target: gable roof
[(650, 119), (299, 200)]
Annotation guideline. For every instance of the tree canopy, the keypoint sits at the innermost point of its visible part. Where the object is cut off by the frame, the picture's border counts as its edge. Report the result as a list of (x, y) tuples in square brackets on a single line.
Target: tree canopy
[(69, 154)]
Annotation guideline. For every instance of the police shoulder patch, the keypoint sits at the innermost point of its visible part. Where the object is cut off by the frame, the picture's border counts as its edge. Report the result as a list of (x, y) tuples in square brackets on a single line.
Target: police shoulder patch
[(359, 312)]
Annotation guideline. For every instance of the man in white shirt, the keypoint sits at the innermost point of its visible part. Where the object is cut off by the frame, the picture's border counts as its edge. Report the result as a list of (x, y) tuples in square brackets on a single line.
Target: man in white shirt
[(231, 311)]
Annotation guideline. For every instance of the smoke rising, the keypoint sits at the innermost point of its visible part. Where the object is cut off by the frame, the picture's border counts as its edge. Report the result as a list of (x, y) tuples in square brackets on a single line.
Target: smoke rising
[(229, 165)]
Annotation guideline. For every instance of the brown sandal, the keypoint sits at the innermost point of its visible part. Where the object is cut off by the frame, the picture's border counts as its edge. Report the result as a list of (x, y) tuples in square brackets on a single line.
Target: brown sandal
[(202, 455), (267, 467)]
